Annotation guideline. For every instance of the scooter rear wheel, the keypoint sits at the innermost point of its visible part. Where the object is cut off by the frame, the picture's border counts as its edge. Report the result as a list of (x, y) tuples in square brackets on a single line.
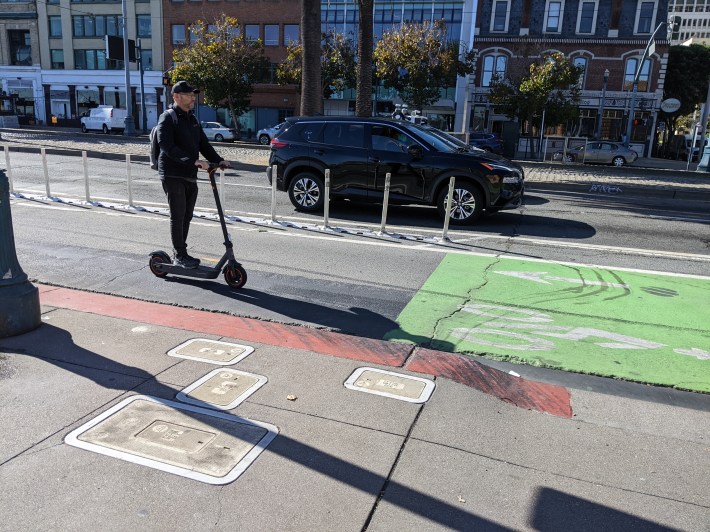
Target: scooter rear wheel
[(155, 259), (236, 276)]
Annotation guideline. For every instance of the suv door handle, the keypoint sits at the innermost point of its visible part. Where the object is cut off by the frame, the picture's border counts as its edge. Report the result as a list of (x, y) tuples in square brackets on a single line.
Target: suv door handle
[(319, 152), (375, 160)]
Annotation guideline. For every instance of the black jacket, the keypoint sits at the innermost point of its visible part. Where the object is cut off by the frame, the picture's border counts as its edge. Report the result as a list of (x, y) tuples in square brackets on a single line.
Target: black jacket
[(181, 145)]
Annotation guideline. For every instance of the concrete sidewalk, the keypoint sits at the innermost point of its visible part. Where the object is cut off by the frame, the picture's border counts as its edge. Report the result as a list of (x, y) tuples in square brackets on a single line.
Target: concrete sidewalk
[(487, 451)]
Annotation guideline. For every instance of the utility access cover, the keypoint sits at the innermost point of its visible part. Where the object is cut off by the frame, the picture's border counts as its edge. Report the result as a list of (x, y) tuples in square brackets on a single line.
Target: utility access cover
[(390, 384), (222, 388), (197, 443), (211, 351)]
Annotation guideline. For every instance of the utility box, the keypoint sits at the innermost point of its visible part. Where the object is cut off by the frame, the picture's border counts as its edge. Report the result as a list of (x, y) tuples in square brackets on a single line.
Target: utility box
[(704, 163)]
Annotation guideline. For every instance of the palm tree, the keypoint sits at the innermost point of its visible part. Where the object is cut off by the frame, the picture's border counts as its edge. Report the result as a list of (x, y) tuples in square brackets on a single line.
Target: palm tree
[(363, 102), (311, 99)]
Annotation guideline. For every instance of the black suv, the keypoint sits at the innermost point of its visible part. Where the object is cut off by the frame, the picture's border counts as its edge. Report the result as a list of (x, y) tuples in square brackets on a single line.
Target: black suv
[(359, 152)]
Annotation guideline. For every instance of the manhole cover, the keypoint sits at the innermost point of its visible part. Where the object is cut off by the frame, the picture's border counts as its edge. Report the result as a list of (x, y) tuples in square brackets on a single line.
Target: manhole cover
[(390, 384), (197, 443), (223, 388), (211, 351)]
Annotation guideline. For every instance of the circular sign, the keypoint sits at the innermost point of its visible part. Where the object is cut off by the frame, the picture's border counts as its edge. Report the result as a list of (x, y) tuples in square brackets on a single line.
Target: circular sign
[(671, 105)]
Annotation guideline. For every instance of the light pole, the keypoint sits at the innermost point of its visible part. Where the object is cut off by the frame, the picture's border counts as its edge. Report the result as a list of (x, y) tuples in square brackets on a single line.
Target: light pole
[(19, 299), (129, 129), (600, 116)]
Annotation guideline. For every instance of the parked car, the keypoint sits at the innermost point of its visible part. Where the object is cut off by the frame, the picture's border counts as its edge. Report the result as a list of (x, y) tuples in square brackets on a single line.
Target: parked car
[(218, 132), (265, 135), (359, 152), (598, 153), (104, 118), (486, 141)]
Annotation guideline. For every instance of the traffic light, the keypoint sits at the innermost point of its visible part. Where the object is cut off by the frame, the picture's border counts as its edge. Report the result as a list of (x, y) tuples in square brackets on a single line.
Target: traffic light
[(675, 27), (636, 121), (167, 80)]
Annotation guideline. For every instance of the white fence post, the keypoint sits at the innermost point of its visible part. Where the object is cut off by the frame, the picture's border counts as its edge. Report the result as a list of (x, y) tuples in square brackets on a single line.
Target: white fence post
[(388, 177), (43, 154), (326, 199), (86, 176), (273, 193), (449, 199), (8, 168), (128, 175)]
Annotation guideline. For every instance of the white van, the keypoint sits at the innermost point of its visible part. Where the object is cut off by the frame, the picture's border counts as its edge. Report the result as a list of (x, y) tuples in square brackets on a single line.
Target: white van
[(104, 118)]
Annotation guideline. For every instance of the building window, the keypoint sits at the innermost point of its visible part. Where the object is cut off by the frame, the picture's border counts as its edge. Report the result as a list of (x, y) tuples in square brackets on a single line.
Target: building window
[(147, 58), (178, 33), (581, 62), (251, 32), (499, 20), (644, 17), (291, 34), (194, 33), (553, 17), (55, 26), (20, 48), (587, 20), (57, 58), (271, 34), (630, 73), (97, 25), (94, 60), (493, 66), (143, 25)]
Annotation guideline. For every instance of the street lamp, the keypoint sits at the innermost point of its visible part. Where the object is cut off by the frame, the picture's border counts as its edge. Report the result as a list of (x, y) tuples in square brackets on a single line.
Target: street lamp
[(19, 299), (601, 106)]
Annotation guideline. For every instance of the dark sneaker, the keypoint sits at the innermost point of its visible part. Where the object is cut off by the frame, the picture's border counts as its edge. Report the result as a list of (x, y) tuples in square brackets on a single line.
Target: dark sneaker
[(196, 261), (185, 261)]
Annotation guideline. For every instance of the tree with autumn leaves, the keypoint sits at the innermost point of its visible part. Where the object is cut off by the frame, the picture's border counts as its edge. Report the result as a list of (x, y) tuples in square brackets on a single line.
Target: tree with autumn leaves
[(223, 63)]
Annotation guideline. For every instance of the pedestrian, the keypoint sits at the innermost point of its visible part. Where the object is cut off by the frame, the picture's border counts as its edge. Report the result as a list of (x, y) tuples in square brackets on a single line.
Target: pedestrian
[(181, 141)]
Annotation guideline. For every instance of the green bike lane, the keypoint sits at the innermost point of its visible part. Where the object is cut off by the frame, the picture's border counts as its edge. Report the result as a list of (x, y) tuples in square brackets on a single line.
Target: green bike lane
[(635, 325)]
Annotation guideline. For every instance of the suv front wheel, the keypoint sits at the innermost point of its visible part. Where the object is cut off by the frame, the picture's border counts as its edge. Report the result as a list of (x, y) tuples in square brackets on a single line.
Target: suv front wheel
[(306, 192), (467, 204)]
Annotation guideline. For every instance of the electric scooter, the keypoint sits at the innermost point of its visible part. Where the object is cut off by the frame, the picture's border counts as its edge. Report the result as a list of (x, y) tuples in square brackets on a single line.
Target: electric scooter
[(161, 264)]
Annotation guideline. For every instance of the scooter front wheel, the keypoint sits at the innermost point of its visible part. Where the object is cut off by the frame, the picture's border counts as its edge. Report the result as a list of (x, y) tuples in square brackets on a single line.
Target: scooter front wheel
[(235, 275), (155, 260)]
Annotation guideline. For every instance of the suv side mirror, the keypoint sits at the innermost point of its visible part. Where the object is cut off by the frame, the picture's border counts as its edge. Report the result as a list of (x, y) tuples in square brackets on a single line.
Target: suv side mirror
[(415, 151)]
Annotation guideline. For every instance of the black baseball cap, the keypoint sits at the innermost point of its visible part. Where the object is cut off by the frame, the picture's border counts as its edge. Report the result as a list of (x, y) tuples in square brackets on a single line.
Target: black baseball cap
[(184, 87)]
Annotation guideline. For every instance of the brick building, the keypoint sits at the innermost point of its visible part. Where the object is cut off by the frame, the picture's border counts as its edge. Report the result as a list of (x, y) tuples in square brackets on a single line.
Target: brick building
[(599, 35)]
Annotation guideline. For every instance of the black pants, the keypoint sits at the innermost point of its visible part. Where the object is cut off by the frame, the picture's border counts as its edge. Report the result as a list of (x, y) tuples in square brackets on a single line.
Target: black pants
[(182, 195)]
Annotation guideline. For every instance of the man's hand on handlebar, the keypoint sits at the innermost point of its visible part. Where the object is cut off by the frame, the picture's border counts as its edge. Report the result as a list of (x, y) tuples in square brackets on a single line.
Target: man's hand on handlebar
[(204, 165)]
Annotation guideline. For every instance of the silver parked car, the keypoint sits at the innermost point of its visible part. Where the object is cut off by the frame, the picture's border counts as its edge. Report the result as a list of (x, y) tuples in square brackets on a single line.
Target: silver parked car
[(216, 131), (265, 135), (598, 152)]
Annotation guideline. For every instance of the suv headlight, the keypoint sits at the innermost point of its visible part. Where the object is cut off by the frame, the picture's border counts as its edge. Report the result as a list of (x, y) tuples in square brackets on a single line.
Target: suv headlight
[(504, 174)]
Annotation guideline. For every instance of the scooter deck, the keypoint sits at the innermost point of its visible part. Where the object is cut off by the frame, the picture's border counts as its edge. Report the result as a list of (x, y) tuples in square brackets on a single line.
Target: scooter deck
[(201, 272)]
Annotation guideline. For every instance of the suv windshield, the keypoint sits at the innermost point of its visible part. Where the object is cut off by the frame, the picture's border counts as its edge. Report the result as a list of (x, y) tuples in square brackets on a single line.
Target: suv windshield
[(434, 139)]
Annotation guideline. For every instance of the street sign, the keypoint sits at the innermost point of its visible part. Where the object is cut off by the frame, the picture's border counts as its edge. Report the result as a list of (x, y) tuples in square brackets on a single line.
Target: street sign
[(671, 105)]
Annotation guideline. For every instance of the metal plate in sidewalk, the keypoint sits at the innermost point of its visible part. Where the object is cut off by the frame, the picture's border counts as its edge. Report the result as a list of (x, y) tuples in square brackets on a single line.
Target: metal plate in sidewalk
[(211, 351), (186, 440), (390, 384), (222, 388)]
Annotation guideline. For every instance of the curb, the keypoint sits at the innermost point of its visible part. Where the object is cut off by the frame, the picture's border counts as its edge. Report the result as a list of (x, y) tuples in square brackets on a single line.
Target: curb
[(607, 189), (532, 395)]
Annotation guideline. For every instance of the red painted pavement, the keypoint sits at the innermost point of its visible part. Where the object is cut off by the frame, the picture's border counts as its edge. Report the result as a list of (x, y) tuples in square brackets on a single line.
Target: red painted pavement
[(524, 393), (521, 392)]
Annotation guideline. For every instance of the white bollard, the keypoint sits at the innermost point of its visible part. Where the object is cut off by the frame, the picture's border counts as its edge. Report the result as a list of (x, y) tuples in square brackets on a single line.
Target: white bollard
[(43, 154), (449, 200), (7, 167), (326, 199), (385, 201), (86, 176), (128, 179), (273, 193)]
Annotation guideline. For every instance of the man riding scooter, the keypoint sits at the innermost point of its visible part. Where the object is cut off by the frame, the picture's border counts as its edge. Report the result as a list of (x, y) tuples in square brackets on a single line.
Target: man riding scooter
[(181, 141)]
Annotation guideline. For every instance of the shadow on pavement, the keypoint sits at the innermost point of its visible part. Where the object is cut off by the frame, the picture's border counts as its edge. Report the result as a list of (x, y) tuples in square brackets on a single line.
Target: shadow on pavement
[(555, 510), (57, 346)]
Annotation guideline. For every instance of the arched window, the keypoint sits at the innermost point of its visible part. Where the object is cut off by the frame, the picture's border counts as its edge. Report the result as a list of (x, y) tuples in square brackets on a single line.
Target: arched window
[(630, 73), (493, 65), (581, 62)]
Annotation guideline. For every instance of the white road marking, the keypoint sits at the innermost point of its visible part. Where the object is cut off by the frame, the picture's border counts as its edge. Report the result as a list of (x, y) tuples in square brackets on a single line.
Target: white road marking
[(537, 277), (431, 247)]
